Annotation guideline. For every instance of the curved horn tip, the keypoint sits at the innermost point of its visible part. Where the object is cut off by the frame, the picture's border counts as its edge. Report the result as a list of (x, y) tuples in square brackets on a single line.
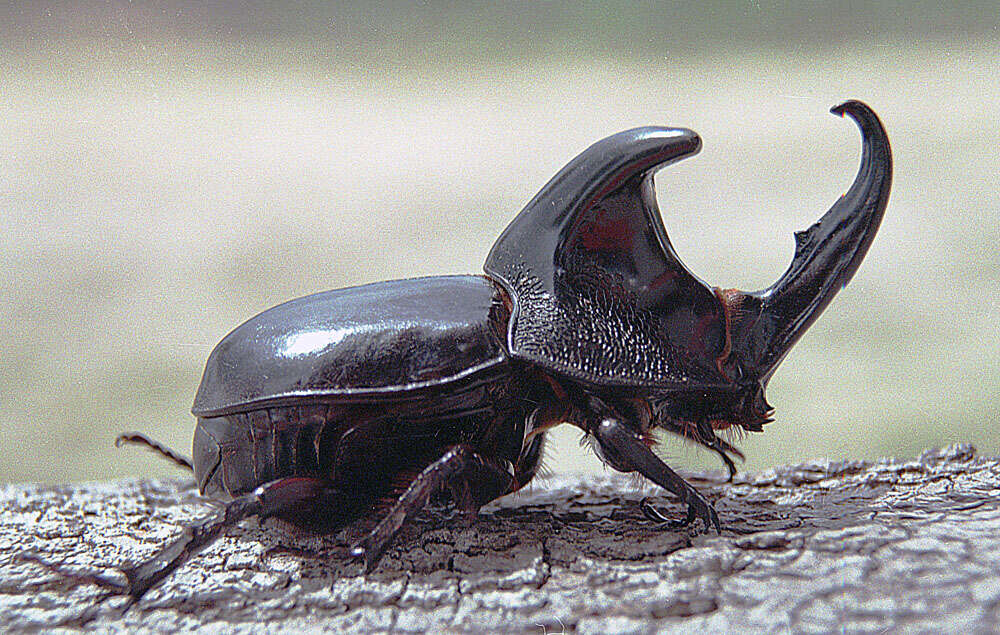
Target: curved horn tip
[(867, 120), (694, 139), (854, 108)]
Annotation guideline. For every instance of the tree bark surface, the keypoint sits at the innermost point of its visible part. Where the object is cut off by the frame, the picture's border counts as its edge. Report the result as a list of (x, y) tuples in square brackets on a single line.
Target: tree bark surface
[(819, 547)]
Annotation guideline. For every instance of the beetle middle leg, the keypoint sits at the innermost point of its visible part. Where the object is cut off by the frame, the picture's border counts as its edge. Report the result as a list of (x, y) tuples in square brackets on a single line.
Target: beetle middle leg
[(473, 480), (624, 447)]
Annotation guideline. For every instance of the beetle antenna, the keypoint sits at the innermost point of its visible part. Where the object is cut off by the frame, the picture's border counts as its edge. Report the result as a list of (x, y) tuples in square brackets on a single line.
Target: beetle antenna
[(137, 438)]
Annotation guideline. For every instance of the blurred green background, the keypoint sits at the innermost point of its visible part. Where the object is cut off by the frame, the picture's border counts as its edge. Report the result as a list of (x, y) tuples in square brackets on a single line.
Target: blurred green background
[(168, 170)]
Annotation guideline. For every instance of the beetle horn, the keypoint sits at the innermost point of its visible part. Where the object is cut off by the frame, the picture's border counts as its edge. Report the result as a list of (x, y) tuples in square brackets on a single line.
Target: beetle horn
[(826, 255)]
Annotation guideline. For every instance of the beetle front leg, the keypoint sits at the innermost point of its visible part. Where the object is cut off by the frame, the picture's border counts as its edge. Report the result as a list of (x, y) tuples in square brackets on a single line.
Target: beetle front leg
[(623, 447), (703, 434), (708, 438)]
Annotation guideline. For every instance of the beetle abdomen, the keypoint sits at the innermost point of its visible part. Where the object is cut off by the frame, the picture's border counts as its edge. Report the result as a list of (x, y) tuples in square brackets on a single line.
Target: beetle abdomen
[(359, 447), (235, 453)]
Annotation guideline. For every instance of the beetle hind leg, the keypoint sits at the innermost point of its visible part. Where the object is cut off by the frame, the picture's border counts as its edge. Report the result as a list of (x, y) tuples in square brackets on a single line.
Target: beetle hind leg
[(724, 449), (277, 498), (472, 480), (113, 587)]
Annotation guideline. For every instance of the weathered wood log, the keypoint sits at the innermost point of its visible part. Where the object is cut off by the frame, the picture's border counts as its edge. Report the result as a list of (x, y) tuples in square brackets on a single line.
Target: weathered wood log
[(824, 546)]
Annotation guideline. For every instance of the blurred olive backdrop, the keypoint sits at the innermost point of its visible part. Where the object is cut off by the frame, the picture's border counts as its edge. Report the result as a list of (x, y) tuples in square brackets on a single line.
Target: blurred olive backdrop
[(168, 170)]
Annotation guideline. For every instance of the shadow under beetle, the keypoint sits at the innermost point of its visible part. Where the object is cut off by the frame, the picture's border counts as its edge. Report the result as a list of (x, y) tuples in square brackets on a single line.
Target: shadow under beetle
[(364, 402)]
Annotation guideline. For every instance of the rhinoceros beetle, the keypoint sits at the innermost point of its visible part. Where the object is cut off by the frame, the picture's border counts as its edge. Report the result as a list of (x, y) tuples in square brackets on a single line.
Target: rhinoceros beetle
[(367, 401)]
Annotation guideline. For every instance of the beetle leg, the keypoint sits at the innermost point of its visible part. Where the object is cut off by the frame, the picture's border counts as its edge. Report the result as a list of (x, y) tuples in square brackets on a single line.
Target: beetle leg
[(461, 496), (277, 497), (654, 514), (723, 449), (623, 446), (484, 481), (530, 460), (137, 438), (710, 440)]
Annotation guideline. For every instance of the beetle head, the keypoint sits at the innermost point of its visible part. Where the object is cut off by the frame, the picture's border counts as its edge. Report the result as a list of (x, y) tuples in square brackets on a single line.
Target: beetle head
[(762, 326)]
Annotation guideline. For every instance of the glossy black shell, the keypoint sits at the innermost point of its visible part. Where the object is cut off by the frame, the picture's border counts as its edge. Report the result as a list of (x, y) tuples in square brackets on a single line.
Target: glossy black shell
[(370, 401), (355, 344)]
